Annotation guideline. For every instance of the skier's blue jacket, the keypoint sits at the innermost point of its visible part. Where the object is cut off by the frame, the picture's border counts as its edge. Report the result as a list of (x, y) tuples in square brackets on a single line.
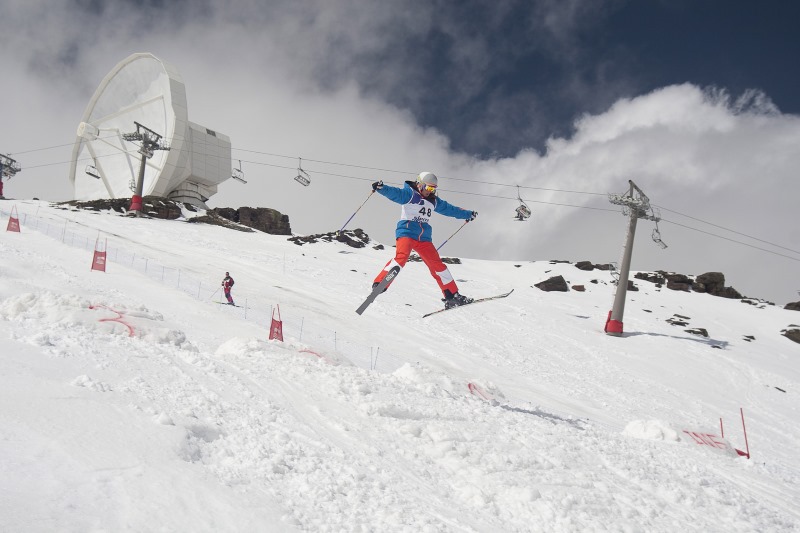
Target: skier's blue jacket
[(416, 210)]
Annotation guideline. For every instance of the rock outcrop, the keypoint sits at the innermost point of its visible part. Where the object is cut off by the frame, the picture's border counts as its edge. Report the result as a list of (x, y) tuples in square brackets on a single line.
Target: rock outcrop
[(259, 218), (793, 334), (356, 238), (556, 283)]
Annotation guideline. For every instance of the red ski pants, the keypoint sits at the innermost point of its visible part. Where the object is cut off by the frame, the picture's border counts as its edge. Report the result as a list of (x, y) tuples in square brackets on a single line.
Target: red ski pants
[(427, 251)]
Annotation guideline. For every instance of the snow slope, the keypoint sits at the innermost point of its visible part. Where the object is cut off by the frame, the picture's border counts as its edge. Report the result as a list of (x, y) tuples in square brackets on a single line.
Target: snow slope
[(131, 401)]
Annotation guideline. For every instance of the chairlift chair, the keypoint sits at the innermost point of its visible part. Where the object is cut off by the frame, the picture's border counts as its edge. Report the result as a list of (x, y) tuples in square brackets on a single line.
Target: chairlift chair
[(523, 211), (657, 238), (302, 176), (92, 171), (238, 173)]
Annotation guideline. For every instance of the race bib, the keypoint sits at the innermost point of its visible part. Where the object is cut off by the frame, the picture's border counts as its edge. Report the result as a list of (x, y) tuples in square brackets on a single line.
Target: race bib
[(418, 209)]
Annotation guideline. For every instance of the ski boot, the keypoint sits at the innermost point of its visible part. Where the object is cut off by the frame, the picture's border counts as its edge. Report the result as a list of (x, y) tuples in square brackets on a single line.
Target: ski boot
[(376, 284), (454, 300)]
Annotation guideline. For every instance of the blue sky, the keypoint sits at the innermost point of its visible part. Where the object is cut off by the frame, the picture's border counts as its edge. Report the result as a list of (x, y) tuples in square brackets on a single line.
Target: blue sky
[(497, 77), (547, 63)]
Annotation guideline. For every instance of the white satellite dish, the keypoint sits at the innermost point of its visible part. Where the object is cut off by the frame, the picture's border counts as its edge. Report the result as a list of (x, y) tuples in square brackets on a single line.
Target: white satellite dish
[(146, 90)]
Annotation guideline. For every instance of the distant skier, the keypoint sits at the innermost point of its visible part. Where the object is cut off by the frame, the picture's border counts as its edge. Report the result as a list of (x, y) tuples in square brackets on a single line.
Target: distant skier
[(227, 285), (419, 201)]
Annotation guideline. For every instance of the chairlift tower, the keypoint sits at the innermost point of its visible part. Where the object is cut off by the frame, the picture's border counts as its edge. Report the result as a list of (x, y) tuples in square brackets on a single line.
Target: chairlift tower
[(151, 141), (636, 205), (8, 169)]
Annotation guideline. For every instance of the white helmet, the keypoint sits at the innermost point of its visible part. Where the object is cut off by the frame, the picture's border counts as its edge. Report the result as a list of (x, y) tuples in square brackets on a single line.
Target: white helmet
[(428, 178)]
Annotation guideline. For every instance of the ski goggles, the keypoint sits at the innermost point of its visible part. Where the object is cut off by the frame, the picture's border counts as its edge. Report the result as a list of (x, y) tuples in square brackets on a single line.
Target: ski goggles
[(429, 188)]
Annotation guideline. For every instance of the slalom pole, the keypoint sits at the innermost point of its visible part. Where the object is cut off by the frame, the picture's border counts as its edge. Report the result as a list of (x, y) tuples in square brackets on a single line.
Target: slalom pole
[(453, 235), (354, 214), (747, 446)]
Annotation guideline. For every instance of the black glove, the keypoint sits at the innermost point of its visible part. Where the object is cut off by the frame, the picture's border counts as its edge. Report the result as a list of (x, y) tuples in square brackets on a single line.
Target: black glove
[(377, 185), (473, 216)]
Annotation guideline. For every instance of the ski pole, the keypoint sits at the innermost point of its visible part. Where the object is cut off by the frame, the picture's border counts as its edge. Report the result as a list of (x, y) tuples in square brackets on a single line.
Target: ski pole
[(453, 235), (214, 293), (357, 210)]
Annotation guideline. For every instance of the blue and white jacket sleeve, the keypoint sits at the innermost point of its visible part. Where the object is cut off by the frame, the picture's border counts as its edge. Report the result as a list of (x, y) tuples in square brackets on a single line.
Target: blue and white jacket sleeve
[(450, 210), (395, 194)]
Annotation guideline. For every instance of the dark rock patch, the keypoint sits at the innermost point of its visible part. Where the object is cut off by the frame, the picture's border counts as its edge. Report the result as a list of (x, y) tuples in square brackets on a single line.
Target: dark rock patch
[(652, 278), (356, 238), (152, 206), (259, 218), (710, 282), (792, 334), (678, 320), (588, 265), (214, 219), (556, 283)]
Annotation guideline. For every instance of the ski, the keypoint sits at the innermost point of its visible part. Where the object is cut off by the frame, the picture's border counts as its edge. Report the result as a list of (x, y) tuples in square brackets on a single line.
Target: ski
[(226, 303), (393, 272), (472, 302)]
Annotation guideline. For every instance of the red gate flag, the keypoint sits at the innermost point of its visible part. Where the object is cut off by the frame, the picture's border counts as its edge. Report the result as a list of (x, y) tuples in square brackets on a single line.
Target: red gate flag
[(276, 328), (13, 221), (99, 258)]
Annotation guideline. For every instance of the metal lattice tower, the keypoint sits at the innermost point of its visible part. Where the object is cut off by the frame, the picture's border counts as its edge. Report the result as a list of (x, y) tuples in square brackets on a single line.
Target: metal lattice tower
[(8, 169), (151, 141)]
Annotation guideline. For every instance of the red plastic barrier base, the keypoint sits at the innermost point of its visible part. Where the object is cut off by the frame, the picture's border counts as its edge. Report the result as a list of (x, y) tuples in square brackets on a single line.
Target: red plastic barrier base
[(613, 327), (136, 203)]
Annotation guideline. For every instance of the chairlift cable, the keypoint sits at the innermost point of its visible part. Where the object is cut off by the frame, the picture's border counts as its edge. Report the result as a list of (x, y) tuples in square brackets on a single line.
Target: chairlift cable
[(732, 231), (473, 194), (731, 240)]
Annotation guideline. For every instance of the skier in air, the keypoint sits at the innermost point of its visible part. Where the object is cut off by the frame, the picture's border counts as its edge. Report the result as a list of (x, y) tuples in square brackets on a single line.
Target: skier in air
[(227, 284), (419, 201)]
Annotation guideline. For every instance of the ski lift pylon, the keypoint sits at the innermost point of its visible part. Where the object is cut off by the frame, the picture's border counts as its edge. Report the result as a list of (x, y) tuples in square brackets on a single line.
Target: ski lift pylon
[(302, 176), (523, 211)]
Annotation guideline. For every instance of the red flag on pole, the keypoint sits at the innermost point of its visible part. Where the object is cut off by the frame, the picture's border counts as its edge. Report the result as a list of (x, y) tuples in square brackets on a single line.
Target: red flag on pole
[(13, 221), (276, 328), (99, 259)]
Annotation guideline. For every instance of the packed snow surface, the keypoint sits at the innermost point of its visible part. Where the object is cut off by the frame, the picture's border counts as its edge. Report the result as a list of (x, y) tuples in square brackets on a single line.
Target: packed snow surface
[(134, 400)]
